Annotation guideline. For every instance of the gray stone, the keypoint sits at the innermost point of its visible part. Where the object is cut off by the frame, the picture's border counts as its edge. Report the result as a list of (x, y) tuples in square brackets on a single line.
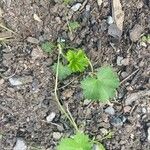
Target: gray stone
[(57, 135), (32, 40), (114, 31), (20, 145), (76, 6), (20, 80), (116, 121), (110, 110), (50, 117), (136, 32)]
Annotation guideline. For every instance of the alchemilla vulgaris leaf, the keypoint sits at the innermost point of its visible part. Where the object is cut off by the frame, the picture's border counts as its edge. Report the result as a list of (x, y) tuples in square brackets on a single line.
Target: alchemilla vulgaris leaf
[(80, 141), (63, 71), (48, 47), (102, 87), (77, 60)]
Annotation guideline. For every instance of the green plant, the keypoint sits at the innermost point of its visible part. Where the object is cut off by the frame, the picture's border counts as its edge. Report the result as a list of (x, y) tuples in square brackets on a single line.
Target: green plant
[(77, 60), (67, 1), (102, 86), (80, 141), (146, 38), (64, 71), (48, 47), (73, 25)]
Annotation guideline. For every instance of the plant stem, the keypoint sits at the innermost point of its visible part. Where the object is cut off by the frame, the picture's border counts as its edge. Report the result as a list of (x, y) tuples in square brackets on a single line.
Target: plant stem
[(68, 116), (91, 66)]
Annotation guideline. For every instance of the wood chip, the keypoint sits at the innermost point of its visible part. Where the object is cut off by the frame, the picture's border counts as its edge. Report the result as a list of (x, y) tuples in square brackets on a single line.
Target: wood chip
[(118, 14)]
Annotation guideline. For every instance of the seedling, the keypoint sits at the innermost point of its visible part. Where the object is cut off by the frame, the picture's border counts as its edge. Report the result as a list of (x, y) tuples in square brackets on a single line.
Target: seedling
[(100, 86), (67, 1), (146, 38), (48, 47), (73, 26)]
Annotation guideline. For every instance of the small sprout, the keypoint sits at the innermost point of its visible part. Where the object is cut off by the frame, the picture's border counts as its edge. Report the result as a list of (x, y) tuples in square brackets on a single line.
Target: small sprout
[(48, 47), (146, 38), (102, 87), (67, 1), (77, 60), (73, 25), (63, 72), (80, 141)]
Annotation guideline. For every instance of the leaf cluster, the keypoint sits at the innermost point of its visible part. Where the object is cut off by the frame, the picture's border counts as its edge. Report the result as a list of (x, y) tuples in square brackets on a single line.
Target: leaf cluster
[(80, 141), (101, 87)]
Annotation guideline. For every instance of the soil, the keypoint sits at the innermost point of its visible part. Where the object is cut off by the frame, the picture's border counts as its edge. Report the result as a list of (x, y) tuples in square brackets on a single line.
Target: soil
[(24, 108)]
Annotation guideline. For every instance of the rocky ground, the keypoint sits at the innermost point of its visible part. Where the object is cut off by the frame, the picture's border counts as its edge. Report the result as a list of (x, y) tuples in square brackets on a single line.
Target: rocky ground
[(29, 116)]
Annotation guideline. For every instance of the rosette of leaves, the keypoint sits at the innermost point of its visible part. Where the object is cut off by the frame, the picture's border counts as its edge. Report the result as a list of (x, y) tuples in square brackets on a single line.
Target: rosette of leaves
[(102, 86), (80, 141), (77, 60)]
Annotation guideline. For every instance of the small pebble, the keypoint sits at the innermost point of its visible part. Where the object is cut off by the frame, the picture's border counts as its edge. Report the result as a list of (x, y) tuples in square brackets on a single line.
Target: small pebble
[(136, 32), (104, 131), (57, 135), (76, 6), (15, 81), (110, 110), (50, 117), (32, 40), (114, 31), (124, 74), (2, 81), (116, 121), (20, 145), (140, 4), (87, 7), (127, 109), (119, 59), (110, 20), (86, 102), (99, 2), (125, 61), (20, 80)]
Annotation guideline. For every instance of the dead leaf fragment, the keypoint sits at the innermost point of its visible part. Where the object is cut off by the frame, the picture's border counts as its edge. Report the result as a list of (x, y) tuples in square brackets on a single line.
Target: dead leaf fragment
[(118, 14)]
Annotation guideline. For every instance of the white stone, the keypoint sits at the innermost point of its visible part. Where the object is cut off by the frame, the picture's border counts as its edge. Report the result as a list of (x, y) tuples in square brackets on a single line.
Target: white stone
[(76, 6), (50, 117), (110, 20), (15, 81), (20, 145)]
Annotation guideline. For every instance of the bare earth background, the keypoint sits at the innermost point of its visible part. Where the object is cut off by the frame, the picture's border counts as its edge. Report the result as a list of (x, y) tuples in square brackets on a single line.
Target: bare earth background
[(24, 108)]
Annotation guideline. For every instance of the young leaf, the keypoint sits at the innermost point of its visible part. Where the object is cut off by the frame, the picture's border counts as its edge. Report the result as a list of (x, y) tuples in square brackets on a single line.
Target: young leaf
[(63, 72), (100, 147), (48, 47), (80, 141), (102, 87), (77, 60), (74, 25), (67, 1)]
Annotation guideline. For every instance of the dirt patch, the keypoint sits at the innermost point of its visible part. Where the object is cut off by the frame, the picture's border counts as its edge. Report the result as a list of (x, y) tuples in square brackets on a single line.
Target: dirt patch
[(25, 107)]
